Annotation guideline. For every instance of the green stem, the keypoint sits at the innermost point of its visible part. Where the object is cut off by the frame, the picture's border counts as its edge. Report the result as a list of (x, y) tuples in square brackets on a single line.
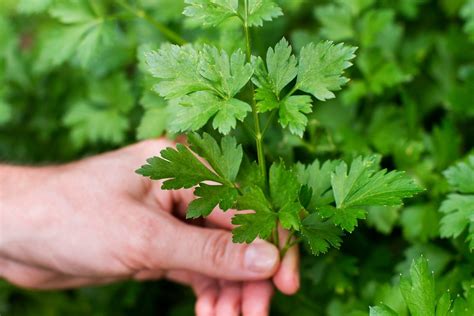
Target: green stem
[(258, 133), (277, 235), (289, 243), (167, 32), (292, 91)]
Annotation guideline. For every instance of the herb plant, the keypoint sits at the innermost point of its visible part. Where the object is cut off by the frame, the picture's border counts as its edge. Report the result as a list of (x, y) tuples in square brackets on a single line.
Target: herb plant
[(315, 202), (274, 125)]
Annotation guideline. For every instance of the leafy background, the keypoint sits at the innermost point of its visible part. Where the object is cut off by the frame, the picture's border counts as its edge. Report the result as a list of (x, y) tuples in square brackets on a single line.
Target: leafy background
[(72, 83)]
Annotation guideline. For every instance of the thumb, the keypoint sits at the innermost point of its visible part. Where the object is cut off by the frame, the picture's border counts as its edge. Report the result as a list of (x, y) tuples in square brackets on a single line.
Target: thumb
[(212, 252)]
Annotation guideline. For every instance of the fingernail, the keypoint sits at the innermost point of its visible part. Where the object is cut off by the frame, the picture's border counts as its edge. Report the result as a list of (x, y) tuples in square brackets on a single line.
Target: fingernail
[(260, 257)]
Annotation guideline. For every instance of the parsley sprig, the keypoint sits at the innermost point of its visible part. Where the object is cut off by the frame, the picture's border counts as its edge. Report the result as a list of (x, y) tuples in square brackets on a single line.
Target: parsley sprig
[(203, 83)]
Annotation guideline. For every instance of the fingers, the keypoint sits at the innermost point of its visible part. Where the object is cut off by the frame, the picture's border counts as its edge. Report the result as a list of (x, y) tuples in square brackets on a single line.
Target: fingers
[(256, 297), (221, 219), (226, 297), (287, 278), (212, 252), (42, 279), (230, 298), (206, 301), (205, 288)]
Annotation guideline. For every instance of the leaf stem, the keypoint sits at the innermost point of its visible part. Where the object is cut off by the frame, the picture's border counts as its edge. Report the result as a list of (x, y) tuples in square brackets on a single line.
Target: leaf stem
[(292, 91), (167, 32), (276, 234), (289, 243), (258, 133)]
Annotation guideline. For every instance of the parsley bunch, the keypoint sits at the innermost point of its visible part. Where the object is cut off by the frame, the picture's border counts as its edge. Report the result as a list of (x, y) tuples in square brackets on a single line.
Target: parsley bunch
[(79, 77), (204, 84)]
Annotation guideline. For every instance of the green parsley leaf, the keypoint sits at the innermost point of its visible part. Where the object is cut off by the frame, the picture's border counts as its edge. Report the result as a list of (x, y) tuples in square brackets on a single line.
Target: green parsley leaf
[(63, 42), (196, 109), (183, 169), (266, 100), (292, 113), (179, 166), (364, 185), (204, 82), (320, 235), (419, 294), (284, 191), (90, 124), (444, 305), (193, 111), (461, 176), (209, 197), (250, 174), (211, 12), (84, 33), (229, 112), (262, 10), (214, 12), (289, 216), (225, 160), (318, 177), (345, 217), (459, 214), (378, 28), (337, 22), (284, 185), (252, 225), (101, 117), (380, 72), (459, 208), (155, 119), (228, 74), (153, 123), (178, 66), (280, 70), (419, 290), (319, 72), (281, 65), (321, 68)]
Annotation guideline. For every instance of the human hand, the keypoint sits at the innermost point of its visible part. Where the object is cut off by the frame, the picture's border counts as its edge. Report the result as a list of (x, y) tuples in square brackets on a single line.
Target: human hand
[(95, 221)]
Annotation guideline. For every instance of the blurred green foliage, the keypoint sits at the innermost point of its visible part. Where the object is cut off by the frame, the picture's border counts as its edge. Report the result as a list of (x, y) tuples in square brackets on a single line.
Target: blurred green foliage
[(72, 84)]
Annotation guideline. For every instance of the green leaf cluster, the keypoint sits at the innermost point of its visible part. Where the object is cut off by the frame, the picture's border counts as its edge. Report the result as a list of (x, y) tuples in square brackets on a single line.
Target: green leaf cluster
[(76, 80), (214, 12), (318, 71), (419, 293), (458, 208)]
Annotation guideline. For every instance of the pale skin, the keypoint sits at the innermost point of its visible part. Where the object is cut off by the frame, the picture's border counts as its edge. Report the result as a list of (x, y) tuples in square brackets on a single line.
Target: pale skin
[(95, 221)]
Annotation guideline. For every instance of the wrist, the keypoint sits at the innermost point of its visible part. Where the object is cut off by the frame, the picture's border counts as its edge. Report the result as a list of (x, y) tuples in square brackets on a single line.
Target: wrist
[(15, 180), (17, 185)]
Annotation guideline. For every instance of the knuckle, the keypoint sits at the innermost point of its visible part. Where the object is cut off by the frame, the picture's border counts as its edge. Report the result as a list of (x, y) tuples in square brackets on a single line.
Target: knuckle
[(216, 248), (151, 147)]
